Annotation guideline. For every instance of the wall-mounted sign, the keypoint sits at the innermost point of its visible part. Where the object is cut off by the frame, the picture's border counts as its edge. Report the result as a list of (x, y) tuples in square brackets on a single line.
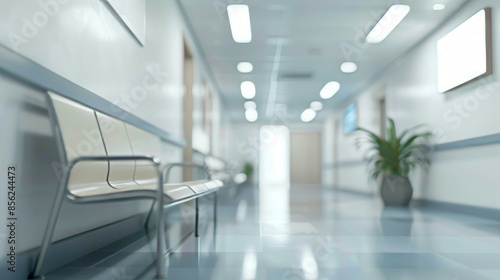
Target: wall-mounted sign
[(350, 118), (465, 53)]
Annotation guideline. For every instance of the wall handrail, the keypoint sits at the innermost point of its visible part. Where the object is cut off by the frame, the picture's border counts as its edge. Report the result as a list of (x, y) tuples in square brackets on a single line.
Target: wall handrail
[(22, 68)]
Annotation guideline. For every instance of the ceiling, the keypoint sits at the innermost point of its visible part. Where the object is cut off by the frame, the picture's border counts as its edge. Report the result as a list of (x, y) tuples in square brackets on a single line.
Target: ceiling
[(314, 37)]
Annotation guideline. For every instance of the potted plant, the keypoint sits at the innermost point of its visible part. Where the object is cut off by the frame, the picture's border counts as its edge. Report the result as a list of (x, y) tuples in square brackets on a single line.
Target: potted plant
[(393, 158), (248, 170)]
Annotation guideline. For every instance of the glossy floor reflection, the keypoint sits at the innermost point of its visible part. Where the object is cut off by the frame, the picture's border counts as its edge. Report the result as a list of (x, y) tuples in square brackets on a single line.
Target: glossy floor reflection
[(325, 235)]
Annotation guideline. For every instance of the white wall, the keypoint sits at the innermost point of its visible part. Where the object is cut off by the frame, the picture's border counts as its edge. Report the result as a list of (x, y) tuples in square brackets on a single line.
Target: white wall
[(84, 43), (465, 176)]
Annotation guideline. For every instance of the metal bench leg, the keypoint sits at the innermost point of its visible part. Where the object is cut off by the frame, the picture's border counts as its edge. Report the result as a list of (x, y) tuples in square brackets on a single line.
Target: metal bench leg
[(196, 233), (215, 211), (160, 234), (51, 225)]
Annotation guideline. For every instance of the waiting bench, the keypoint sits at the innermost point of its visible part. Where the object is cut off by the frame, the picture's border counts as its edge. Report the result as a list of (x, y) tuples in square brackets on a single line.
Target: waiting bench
[(105, 159), (219, 169)]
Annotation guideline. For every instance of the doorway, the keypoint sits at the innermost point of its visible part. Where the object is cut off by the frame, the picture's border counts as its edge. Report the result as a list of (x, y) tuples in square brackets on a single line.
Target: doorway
[(274, 160), (274, 174), (305, 158), (187, 173), (336, 173), (383, 117)]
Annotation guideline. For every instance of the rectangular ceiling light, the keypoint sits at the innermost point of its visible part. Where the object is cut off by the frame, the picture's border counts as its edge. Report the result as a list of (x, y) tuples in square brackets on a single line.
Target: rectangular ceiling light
[(387, 23), (239, 19)]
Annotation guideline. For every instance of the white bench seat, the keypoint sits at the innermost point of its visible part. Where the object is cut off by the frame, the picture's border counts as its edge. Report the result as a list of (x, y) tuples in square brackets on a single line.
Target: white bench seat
[(198, 186), (173, 192)]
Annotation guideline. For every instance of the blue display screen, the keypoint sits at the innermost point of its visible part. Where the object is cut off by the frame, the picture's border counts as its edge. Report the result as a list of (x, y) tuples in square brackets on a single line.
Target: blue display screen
[(350, 118)]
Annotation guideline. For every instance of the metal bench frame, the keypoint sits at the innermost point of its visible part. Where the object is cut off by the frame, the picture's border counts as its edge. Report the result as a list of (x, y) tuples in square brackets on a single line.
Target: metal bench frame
[(157, 195)]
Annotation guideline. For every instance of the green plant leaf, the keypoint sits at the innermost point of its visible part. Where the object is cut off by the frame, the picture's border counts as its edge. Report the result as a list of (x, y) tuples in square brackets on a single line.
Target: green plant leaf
[(395, 155)]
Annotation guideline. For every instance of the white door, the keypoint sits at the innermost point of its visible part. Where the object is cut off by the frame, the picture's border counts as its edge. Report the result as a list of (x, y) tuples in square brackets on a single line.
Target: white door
[(305, 158)]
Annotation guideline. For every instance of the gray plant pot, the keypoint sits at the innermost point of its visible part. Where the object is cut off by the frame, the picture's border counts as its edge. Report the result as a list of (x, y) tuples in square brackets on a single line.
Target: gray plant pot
[(396, 190)]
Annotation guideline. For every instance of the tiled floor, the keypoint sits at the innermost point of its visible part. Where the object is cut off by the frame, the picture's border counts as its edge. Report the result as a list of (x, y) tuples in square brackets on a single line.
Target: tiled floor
[(277, 233)]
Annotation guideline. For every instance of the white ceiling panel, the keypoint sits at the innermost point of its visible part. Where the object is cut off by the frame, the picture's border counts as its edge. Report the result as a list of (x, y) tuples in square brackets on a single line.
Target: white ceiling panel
[(312, 34)]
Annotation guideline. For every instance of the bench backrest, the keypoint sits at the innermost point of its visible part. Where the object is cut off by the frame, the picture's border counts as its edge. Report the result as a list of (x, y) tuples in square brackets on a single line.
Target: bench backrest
[(86, 132), (219, 169)]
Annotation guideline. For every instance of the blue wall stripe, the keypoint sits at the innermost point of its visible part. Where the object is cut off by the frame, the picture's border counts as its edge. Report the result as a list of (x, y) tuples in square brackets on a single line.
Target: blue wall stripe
[(455, 145)]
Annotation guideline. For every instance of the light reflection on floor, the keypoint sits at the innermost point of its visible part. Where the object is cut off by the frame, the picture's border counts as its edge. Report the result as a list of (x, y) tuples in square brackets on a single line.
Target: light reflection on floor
[(314, 234), (274, 204)]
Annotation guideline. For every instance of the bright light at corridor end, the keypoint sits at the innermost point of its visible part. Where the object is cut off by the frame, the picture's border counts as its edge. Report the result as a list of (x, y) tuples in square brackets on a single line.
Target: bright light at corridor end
[(329, 90), (245, 67), (239, 19), (251, 115), (387, 23), (308, 115), (248, 90)]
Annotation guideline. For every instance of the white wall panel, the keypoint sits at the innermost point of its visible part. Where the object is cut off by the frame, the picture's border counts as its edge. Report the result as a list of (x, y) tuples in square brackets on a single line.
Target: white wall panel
[(468, 176), (82, 41), (353, 178), (133, 15)]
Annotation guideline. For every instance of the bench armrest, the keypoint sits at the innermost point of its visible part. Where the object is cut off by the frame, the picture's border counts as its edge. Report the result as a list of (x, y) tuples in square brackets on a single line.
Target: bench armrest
[(62, 189)]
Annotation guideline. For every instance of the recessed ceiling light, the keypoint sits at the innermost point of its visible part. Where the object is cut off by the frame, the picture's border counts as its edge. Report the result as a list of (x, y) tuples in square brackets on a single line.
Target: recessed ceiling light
[(316, 106), (245, 67), (250, 105), (308, 115), (239, 19), (248, 90), (251, 115), (438, 7), (329, 90), (387, 23), (348, 67)]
